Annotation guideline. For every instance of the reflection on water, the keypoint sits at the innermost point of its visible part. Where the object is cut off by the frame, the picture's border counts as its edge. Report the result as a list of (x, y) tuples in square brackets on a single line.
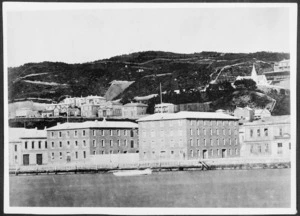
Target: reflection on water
[(219, 188)]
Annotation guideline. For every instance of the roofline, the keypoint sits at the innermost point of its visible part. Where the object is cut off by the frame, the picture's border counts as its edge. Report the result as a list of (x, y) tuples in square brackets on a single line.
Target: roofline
[(49, 129), (235, 119)]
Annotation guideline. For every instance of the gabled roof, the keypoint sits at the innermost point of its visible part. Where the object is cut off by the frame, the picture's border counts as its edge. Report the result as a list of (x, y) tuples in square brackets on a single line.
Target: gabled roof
[(16, 134), (94, 124), (187, 115)]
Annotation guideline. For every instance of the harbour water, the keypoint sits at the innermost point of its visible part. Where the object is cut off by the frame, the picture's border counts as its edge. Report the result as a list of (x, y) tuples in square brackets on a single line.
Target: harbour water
[(218, 188)]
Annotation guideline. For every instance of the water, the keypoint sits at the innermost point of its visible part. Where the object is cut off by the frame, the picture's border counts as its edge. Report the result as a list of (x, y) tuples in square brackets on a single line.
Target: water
[(218, 188)]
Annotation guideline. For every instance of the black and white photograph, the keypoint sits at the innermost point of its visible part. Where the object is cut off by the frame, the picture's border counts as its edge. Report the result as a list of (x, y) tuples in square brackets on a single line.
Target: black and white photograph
[(149, 108)]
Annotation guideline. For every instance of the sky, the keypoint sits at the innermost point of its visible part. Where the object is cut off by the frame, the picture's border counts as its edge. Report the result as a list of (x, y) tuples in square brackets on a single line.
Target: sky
[(78, 36)]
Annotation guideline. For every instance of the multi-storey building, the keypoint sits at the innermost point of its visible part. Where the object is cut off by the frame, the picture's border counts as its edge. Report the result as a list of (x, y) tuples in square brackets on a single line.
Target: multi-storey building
[(269, 136), (71, 142), (110, 109), (89, 110), (134, 110), (27, 147), (188, 135)]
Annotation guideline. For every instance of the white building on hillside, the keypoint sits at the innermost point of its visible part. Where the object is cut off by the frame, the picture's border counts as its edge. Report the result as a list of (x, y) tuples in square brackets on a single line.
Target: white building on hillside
[(259, 79)]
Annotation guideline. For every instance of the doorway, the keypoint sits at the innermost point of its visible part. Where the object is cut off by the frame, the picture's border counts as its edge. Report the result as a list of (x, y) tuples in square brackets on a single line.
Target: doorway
[(39, 159), (26, 159), (205, 154), (224, 153)]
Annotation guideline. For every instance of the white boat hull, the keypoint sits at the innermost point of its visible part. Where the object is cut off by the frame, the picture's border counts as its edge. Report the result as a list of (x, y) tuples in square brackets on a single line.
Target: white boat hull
[(133, 172)]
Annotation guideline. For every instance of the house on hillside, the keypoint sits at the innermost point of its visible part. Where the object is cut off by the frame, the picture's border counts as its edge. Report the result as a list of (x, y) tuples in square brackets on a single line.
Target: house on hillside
[(244, 113), (89, 110), (164, 108), (134, 110), (110, 109), (261, 113)]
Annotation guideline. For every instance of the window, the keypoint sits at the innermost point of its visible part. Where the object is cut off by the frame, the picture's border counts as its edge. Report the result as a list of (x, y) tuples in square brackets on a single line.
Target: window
[(258, 132), (132, 143), (125, 142), (111, 143), (119, 152), (102, 143), (125, 132), (16, 148), (76, 143), (251, 133), (52, 134), (60, 155), (266, 131), (83, 133), (102, 132), (191, 153), (198, 153), (111, 152), (191, 142), (259, 148), (229, 141), (204, 142), (25, 145), (172, 152), (198, 142), (223, 131), (279, 145), (218, 152), (289, 145), (211, 152), (229, 131), (236, 141), (280, 131), (94, 132), (46, 144), (94, 152), (75, 133), (84, 154), (68, 143), (266, 147), (218, 142), (59, 134), (217, 131), (211, 142), (94, 143), (52, 156), (198, 131), (102, 152), (230, 152), (224, 142), (119, 143), (236, 151), (52, 144), (60, 144), (118, 132), (223, 123), (76, 155), (68, 134), (111, 132), (32, 144), (191, 122), (191, 131), (210, 131), (131, 133), (204, 131), (84, 143)]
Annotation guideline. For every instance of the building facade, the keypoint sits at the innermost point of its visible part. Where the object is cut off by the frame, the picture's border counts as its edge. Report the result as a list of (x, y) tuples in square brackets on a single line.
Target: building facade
[(164, 108), (188, 135), (267, 137), (76, 142), (134, 110), (245, 113), (28, 147)]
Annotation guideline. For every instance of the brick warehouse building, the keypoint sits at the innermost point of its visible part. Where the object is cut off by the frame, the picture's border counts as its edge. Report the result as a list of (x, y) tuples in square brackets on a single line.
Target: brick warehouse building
[(71, 142), (188, 135)]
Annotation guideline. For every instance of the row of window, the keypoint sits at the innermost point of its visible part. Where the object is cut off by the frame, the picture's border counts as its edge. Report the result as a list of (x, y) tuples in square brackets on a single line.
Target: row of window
[(211, 131), (33, 144), (258, 132), (211, 142), (111, 143), (193, 122), (67, 155), (101, 132), (112, 152)]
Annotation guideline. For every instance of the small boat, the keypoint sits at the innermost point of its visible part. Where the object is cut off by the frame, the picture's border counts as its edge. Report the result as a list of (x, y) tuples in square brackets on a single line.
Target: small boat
[(133, 172)]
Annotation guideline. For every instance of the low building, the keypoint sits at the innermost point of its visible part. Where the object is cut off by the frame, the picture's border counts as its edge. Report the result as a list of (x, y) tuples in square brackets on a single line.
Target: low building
[(199, 107), (76, 142), (27, 147), (244, 113), (24, 113), (134, 110), (110, 109), (89, 110), (266, 137), (188, 135), (261, 113), (164, 108), (47, 113)]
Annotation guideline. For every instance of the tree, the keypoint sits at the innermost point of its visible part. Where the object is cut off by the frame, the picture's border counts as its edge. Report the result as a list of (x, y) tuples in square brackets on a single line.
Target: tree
[(248, 84)]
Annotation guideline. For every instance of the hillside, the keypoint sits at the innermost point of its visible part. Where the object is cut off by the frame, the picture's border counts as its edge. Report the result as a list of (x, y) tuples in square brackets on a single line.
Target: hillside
[(145, 70)]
